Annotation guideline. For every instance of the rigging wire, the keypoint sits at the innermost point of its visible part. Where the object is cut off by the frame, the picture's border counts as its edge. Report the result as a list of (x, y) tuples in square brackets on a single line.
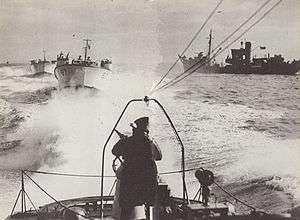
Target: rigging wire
[(96, 176), (35, 209), (237, 199), (65, 174), (13, 209), (242, 24), (58, 202), (173, 81), (189, 44), (77, 175), (178, 79)]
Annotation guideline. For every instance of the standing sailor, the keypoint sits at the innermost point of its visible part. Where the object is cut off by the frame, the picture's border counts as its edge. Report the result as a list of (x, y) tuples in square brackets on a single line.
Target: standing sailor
[(138, 178)]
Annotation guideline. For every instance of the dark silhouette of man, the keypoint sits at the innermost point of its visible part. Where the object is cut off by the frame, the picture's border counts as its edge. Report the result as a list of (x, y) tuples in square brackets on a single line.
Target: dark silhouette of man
[(206, 178), (138, 179)]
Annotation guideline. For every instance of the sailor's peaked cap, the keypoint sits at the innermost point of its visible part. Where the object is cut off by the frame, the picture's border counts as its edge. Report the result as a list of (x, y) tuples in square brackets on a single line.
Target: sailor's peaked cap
[(141, 123)]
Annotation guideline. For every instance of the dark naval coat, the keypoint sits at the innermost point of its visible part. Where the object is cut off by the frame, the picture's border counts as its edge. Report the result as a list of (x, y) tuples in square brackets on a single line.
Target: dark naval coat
[(138, 178)]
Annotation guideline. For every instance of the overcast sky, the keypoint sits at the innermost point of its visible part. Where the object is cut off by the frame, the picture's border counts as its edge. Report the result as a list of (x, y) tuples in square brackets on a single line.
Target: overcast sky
[(138, 30)]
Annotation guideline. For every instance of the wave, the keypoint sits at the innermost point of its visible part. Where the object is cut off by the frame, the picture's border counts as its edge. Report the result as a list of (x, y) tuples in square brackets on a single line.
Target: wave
[(25, 146), (37, 75), (32, 152), (276, 165), (10, 117), (15, 70), (66, 133), (20, 79), (42, 139), (30, 97), (9, 145), (258, 193)]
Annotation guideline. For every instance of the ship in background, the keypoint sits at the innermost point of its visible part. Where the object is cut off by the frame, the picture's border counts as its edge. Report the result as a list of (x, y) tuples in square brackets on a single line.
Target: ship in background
[(40, 67), (240, 62), (5, 64), (81, 72), (201, 63), (106, 64)]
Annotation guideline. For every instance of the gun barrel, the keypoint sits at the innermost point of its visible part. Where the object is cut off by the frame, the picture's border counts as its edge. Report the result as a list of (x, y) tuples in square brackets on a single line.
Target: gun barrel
[(120, 134)]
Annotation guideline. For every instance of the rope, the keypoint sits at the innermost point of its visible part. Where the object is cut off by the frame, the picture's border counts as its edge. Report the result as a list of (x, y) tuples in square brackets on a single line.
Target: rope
[(67, 174), (174, 81), (115, 182), (178, 171), (237, 199), (54, 198), (13, 209), (192, 169), (84, 175), (198, 192), (249, 28), (241, 25), (37, 212), (189, 44), (228, 193), (77, 175)]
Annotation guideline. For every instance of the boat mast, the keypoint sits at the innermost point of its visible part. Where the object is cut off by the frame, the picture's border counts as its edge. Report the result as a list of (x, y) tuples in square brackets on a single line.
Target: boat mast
[(44, 52), (209, 46), (87, 46)]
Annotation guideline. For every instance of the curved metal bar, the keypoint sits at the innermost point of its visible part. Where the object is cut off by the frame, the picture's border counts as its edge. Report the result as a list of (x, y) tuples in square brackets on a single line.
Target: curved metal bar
[(184, 190), (146, 99), (104, 148)]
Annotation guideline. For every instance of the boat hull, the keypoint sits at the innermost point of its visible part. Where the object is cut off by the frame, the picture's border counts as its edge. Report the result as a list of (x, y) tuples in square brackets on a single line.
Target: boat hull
[(281, 70), (107, 66), (202, 68), (75, 76), (89, 208), (42, 68)]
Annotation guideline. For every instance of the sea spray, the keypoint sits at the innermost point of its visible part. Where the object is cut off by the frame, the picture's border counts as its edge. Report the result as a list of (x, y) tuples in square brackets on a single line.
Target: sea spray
[(83, 119), (36, 144)]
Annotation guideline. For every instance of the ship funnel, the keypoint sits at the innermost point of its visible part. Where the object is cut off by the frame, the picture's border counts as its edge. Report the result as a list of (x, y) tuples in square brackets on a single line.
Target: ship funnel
[(247, 52)]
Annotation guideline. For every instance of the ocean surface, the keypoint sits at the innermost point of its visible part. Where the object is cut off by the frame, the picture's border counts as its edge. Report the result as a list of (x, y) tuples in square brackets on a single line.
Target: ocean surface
[(244, 128)]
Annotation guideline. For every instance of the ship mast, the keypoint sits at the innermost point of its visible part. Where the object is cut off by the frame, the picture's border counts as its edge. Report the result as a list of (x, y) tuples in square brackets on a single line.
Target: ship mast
[(87, 46), (44, 52), (209, 46)]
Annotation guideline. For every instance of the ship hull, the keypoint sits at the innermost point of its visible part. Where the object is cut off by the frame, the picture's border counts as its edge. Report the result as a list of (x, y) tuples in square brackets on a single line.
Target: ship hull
[(42, 68), (200, 68), (203, 69), (107, 66), (279, 70), (284, 70), (75, 76), (89, 208)]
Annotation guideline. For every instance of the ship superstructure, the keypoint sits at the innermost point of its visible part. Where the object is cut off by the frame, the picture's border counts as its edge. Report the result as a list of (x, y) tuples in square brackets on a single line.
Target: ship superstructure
[(201, 63), (79, 72), (39, 67), (240, 62)]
